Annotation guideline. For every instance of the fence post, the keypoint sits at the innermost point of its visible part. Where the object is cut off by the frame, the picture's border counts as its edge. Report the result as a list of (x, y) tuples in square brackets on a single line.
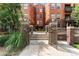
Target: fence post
[(52, 34), (70, 35), (25, 33)]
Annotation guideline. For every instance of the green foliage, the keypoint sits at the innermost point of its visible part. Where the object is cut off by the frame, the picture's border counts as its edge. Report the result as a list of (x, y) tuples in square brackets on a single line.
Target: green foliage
[(15, 41), (3, 39), (75, 15), (9, 15), (76, 45), (9, 18), (76, 8)]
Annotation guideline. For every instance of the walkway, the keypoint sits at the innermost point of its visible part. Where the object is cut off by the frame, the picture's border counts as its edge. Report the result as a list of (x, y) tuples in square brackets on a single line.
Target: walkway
[(41, 48)]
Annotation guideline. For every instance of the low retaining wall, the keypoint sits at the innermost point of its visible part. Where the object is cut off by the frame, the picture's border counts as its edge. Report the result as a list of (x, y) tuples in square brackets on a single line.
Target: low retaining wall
[(76, 38), (62, 34)]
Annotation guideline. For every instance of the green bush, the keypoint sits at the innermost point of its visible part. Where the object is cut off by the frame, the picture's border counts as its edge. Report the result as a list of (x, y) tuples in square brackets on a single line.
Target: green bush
[(76, 45), (3, 39), (15, 41)]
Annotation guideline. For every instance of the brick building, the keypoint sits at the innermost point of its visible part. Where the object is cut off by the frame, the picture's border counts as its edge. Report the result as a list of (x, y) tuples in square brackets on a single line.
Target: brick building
[(59, 12), (42, 14)]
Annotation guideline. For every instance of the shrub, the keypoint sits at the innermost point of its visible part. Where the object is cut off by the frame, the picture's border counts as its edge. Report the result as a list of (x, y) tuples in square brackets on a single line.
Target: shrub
[(14, 42), (76, 45), (3, 39)]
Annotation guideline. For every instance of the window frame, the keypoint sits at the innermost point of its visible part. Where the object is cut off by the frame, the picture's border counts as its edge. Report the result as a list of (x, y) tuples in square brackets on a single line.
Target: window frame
[(58, 15), (58, 5), (54, 17), (41, 10), (53, 5), (25, 6)]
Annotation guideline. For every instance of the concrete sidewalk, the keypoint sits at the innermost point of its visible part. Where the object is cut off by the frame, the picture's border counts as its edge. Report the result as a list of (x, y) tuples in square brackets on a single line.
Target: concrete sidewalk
[(41, 48)]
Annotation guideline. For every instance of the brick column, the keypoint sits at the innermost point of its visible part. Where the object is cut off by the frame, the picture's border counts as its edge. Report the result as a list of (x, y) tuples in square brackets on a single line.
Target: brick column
[(52, 36), (70, 35)]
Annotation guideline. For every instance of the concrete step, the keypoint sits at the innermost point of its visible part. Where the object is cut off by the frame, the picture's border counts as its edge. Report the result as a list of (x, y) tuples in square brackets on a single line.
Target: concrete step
[(39, 36)]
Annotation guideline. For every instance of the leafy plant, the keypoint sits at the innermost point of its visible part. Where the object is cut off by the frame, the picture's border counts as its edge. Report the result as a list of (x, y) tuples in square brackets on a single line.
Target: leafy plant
[(9, 19), (75, 15), (76, 45), (15, 41), (3, 39), (9, 16)]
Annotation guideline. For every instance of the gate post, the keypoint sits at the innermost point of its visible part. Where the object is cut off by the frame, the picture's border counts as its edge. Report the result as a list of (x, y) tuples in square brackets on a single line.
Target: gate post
[(25, 32), (70, 35), (52, 34)]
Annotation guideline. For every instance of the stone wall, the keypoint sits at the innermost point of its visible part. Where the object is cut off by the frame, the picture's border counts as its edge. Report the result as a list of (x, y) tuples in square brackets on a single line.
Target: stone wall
[(70, 34), (64, 34), (76, 38), (61, 32)]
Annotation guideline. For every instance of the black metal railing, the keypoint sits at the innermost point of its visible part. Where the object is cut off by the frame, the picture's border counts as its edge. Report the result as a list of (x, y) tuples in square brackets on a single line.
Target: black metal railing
[(68, 9)]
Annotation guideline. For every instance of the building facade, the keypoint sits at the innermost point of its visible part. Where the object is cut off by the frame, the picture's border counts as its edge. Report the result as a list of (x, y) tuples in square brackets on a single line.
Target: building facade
[(42, 14)]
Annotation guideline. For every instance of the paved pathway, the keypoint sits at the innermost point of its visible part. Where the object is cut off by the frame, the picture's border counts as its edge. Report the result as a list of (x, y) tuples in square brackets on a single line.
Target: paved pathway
[(41, 48)]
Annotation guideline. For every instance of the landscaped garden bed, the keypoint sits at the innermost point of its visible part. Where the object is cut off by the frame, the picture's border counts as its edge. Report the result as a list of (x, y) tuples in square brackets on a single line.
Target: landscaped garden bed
[(3, 38), (76, 45), (10, 29), (10, 44)]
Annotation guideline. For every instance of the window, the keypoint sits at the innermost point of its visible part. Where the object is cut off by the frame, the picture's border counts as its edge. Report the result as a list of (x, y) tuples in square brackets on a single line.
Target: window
[(40, 15), (41, 10), (25, 17), (58, 5), (53, 16), (25, 6), (38, 22), (58, 15), (53, 6), (37, 9)]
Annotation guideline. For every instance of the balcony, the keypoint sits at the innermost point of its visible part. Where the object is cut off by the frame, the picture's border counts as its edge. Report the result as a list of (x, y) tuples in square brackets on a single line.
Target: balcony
[(68, 9)]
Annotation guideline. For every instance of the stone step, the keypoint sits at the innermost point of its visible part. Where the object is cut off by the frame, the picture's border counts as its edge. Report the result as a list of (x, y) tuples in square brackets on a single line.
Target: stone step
[(37, 36)]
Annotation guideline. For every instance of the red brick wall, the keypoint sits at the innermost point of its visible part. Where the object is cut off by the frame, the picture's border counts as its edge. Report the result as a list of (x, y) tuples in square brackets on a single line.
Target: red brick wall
[(31, 14), (47, 13), (40, 15), (62, 13), (46, 17)]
